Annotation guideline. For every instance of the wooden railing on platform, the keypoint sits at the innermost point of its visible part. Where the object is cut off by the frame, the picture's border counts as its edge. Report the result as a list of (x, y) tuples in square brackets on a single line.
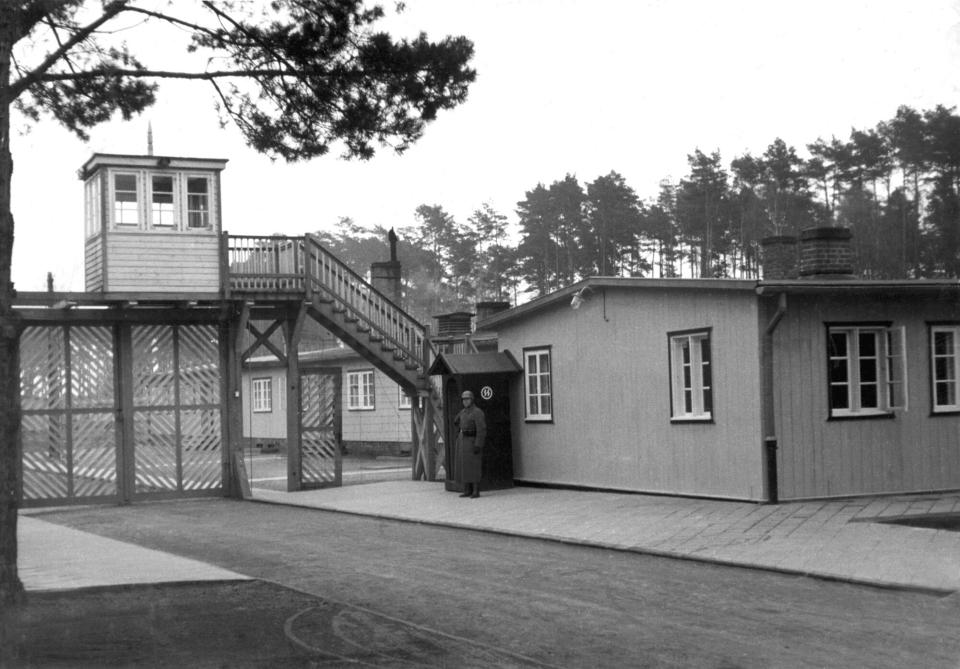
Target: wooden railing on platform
[(263, 264)]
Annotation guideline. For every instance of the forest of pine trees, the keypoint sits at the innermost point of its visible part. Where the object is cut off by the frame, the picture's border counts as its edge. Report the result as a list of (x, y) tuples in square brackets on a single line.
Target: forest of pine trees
[(896, 186)]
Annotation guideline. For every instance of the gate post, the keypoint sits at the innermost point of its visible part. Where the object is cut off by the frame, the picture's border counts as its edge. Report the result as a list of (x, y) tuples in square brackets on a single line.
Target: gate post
[(292, 329), (125, 428)]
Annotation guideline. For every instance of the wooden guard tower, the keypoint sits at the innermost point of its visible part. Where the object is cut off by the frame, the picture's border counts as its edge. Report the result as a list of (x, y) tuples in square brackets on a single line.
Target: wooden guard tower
[(132, 388), (152, 223)]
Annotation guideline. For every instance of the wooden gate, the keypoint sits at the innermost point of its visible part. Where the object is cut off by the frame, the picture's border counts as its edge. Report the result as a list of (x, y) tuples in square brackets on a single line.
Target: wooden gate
[(176, 428), (112, 413), (320, 463), (69, 437)]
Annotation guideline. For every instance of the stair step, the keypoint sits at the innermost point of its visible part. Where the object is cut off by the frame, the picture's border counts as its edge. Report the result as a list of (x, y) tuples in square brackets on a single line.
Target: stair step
[(323, 300), (351, 319), (339, 310), (374, 337), (361, 327)]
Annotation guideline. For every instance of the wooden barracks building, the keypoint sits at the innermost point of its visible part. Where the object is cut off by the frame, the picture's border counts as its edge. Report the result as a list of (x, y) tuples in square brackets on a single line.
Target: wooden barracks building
[(809, 383)]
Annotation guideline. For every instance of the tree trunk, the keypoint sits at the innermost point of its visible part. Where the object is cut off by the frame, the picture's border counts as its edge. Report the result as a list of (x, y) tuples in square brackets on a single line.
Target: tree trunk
[(11, 589)]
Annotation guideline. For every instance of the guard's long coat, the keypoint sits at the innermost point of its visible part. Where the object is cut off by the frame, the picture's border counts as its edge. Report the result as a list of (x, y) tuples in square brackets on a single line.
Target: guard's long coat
[(470, 448)]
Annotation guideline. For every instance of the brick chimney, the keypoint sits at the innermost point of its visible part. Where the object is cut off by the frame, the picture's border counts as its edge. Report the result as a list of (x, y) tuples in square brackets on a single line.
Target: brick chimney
[(779, 257), (826, 253), (454, 324), (488, 309), (385, 276)]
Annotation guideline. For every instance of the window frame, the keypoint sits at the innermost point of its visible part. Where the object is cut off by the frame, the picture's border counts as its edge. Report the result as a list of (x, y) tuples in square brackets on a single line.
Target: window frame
[(952, 328), (702, 395), (404, 401), (362, 400), (540, 416), (887, 359), (115, 222), (175, 200), (207, 213), (261, 402)]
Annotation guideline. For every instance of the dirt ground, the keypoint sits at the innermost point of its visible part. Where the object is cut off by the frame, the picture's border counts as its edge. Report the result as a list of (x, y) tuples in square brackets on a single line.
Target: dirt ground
[(158, 626), (236, 625)]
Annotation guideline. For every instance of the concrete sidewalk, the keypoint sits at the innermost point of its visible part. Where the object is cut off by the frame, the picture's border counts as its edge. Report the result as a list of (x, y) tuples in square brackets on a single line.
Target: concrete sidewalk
[(54, 557), (837, 539)]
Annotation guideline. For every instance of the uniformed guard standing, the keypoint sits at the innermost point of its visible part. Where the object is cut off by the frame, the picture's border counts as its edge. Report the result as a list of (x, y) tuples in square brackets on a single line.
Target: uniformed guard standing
[(472, 430)]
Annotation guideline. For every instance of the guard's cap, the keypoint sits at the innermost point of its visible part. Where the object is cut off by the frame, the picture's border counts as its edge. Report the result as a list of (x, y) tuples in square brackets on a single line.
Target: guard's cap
[(466, 394)]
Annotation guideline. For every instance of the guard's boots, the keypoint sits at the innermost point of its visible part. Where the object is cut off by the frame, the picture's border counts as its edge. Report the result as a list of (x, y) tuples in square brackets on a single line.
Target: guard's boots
[(466, 490), (476, 491)]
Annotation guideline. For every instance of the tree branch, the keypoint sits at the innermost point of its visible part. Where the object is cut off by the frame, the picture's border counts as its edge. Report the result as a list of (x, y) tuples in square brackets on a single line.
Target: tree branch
[(109, 11)]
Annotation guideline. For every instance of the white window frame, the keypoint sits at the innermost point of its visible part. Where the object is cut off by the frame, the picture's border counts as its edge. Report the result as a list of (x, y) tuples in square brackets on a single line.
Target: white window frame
[(538, 384), (174, 212), (261, 390), (945, 369), (888, 364), (361, 390), (691, 376), (207, 213), (403, 401), (137, 208), (92, 206)]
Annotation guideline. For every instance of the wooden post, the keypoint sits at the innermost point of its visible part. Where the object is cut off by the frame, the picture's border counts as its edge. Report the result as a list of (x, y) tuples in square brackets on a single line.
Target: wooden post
[(126, 465), (225, 265), (292, 330), (234, 478), (429, 439)]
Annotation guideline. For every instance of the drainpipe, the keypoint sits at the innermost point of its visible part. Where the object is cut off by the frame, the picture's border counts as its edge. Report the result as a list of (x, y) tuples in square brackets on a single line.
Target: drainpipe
[(768, 418)]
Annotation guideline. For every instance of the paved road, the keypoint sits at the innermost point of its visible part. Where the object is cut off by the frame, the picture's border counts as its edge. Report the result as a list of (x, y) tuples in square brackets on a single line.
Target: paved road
[(530, 602)]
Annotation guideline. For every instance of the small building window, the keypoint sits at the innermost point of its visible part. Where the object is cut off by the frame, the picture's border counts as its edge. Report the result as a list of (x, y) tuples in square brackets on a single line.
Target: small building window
[(945, 365), (162, 212), (126, 201), (404, 401), (866, 370), (691, 376), (360, 393), (198, 202), (262, 395), (538, 384)]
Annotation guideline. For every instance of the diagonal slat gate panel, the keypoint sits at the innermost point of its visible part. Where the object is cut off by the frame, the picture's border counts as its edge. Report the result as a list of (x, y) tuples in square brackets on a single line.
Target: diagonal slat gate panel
[(320, 463), (94, 455), (43, 369), (199, 365), (91, 368), (45, 472), (156, 451), (153, 372), (201, 457)]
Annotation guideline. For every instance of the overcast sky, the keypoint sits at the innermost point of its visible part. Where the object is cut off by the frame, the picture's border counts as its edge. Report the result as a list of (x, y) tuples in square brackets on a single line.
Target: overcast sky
[(578, 86)]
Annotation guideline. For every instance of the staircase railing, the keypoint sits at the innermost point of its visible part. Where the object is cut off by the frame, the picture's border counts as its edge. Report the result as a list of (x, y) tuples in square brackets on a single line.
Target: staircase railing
[(330, 278)]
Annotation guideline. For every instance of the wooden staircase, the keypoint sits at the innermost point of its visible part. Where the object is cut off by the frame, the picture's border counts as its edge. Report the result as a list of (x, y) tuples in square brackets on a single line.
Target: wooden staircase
[(300, 268)]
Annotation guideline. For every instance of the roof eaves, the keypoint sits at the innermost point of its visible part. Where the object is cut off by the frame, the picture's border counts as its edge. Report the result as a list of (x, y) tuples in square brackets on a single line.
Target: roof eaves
[(593, 283)]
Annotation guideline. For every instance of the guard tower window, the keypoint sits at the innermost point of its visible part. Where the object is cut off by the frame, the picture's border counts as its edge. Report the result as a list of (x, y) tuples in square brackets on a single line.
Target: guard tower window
[(161, 201), (198, 202), (126, 205)]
